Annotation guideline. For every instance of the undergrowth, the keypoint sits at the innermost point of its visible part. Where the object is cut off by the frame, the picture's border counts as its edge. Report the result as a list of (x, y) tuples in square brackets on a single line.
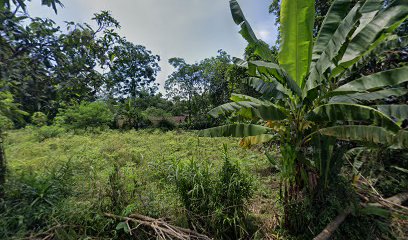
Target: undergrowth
[(216, 201), (61, 186)]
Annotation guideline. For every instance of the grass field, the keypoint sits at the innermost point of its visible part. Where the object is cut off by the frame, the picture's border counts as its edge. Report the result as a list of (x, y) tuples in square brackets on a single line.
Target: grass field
[(133, 169)]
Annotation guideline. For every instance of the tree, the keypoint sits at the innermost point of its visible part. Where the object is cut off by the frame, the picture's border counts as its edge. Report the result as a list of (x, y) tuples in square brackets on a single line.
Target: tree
[(185, 82), (65, 67), (202, 85), (311, 97), (10, 31), (133, 70)]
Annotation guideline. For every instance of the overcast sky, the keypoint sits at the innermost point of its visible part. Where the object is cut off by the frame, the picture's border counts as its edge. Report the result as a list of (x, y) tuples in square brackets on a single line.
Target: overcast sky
[(191, 29)]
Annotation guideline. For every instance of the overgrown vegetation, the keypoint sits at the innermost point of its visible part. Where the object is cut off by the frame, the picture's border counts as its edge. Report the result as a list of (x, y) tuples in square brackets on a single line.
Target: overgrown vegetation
[(67, 183), (216, 202), (313, 97), (90, 150)]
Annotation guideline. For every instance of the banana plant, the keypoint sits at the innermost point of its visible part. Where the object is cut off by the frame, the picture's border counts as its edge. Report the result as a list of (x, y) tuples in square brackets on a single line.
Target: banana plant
[(310, 98)]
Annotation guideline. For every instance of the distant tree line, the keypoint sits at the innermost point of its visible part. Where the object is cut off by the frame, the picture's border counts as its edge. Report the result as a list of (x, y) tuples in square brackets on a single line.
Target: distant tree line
[(47, 68)]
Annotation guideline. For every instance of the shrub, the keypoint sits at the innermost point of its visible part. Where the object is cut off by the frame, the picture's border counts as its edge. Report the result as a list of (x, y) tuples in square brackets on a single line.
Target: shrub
[(215, 203), (46, 132), (166, 124), (86, 115), (160, 118), (39, 119), (5, 123), (31, 199)]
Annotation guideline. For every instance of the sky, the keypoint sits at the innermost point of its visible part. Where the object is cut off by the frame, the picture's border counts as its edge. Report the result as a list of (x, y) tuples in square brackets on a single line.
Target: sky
[(190, 29)]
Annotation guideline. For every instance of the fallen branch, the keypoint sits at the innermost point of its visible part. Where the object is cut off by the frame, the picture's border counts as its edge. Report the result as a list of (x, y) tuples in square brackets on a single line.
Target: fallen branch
[(162, 229), (48, 234), (329, 230), (396, 200)]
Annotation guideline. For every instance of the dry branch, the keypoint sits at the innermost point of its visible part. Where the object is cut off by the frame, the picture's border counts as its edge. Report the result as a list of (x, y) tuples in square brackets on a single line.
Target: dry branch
[(396, 200), (329, 230), (162, 229)]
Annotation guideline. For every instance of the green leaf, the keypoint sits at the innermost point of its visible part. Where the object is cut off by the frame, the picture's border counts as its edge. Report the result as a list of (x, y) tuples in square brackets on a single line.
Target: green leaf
[(240, 62), (397, 111), (239, 19), (233, 107), (323, 155), (351, 112), (246, 31), (368, 12), (122, 225), (332, 48), (264, 111), (361, 133), (401, 140), (235, 130), (274, 71), (400, 169), (390, 43), (296, 28), (242, 97), (377, 211), (368, 134), (269, 90), (337, 12), (375, 32), (375, 81), (255, 140), (371, 96)]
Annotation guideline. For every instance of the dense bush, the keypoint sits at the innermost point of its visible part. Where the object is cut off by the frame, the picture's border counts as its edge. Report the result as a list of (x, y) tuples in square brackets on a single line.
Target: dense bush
[(166, 124), (160, 118), (39, 119), (86, 115), (5, 123), (46, 132), (128, 116), (202, 121), (31, 200), (215, 202)]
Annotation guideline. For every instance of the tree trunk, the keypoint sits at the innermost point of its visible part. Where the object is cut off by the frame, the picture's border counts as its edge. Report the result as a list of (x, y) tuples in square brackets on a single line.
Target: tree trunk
[(2, 167)]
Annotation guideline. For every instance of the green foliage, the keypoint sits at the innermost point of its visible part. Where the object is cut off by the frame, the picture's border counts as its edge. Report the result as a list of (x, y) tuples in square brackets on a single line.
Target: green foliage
[(166, 124), (128, 116), (297, 18), (46, 132), (195, 88), (5, 123), (384, 168), (31, 199), (39, 119), (156, 112), (47, 66), (215, 202), (122, 172), (300, 94), (86, 115)]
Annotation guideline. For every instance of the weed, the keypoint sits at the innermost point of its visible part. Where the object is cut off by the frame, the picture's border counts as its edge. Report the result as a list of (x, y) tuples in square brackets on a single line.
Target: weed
[(32, 198), (215, 202)]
